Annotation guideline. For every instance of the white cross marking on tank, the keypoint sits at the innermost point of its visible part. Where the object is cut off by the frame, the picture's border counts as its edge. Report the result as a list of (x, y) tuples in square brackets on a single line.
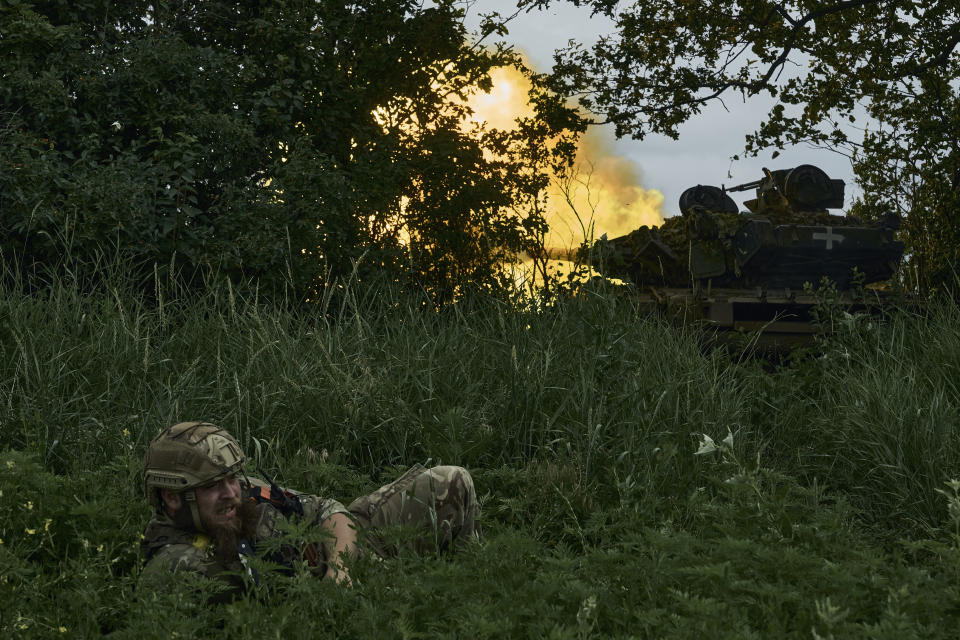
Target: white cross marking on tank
[(830, 237)]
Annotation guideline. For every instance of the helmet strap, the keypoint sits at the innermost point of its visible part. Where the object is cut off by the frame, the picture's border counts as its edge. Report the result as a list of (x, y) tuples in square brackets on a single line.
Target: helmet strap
[(191, 497)]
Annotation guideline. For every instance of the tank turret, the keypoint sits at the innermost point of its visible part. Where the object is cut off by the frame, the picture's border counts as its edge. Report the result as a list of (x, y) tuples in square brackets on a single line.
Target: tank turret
[(803, 188)]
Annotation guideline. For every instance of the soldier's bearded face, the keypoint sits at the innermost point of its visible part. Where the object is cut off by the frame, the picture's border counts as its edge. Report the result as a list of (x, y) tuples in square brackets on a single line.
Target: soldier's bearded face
[(226, 538), (219, 504)]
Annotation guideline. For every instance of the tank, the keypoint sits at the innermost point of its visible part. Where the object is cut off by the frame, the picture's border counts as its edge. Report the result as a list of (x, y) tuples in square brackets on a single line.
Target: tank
[(749, 270)]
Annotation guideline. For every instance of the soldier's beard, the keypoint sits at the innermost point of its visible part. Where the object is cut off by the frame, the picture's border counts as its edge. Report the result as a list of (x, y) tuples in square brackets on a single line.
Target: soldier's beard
[(227, 537)]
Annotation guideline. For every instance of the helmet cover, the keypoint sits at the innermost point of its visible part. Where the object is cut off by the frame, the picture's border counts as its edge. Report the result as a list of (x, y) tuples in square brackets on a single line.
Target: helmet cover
[(188, 455)]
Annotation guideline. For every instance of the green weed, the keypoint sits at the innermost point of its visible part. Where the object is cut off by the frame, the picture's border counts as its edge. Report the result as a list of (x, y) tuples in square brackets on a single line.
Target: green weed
[(816, 508)]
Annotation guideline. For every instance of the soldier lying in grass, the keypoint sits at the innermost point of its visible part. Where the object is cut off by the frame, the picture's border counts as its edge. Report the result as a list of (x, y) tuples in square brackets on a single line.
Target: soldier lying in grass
[(210, 517)]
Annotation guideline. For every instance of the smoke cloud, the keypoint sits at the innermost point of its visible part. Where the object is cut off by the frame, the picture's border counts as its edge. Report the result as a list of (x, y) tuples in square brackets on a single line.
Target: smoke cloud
[(604, 193)]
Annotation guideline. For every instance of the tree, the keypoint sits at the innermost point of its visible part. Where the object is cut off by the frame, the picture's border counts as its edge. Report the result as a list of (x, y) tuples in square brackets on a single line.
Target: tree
[(826, 64), (291, 142)]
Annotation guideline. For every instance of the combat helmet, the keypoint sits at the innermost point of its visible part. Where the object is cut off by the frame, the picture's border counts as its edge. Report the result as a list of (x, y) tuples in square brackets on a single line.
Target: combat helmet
[(186, 456)]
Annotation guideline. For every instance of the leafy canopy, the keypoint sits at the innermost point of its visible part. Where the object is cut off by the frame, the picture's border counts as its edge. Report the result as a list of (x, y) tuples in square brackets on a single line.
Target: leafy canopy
[(285, 141), (826, 64)]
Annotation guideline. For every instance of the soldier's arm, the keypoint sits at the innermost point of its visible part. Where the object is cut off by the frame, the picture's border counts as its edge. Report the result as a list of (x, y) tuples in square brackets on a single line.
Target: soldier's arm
[(177, 557), (170, 564), (343, 545), (336, 521)]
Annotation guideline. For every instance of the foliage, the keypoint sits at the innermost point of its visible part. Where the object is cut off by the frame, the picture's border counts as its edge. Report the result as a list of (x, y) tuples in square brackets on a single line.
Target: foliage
[(910, 165), (823, 499), (827, 65), (292, 143)]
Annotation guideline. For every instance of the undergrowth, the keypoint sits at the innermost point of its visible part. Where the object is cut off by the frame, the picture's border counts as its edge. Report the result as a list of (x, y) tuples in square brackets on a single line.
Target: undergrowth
[(633, 484)]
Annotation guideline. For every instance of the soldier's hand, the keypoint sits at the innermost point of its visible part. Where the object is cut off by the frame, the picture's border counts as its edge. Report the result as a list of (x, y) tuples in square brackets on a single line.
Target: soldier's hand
[(338, 572)]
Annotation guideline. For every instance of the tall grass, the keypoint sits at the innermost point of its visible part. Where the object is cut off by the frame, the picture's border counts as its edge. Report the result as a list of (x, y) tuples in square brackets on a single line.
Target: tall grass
[(883, 416), (580, 422), (591, 382)]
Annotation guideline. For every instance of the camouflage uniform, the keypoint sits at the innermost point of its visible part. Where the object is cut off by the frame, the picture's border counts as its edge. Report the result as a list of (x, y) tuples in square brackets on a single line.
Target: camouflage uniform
[(433, 506), (439, 503)]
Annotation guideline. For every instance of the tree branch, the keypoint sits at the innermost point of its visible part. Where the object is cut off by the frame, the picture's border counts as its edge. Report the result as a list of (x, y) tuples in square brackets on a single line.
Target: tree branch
[(797, 24), (915, 69)]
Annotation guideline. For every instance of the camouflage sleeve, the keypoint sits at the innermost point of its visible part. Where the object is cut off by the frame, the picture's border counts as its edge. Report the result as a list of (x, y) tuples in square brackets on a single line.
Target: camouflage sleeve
[(177, 557), (315, 508), (309, 534), (319, 509), (168, 568)]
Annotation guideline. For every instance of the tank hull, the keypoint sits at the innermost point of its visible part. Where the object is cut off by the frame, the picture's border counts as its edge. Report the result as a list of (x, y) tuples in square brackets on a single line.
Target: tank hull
[(773, 321), (754, 273), (769, 256)]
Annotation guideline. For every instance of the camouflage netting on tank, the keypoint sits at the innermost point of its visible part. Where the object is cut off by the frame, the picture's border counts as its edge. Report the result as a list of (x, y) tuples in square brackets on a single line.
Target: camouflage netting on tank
[(658, 256), (655, 256)]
